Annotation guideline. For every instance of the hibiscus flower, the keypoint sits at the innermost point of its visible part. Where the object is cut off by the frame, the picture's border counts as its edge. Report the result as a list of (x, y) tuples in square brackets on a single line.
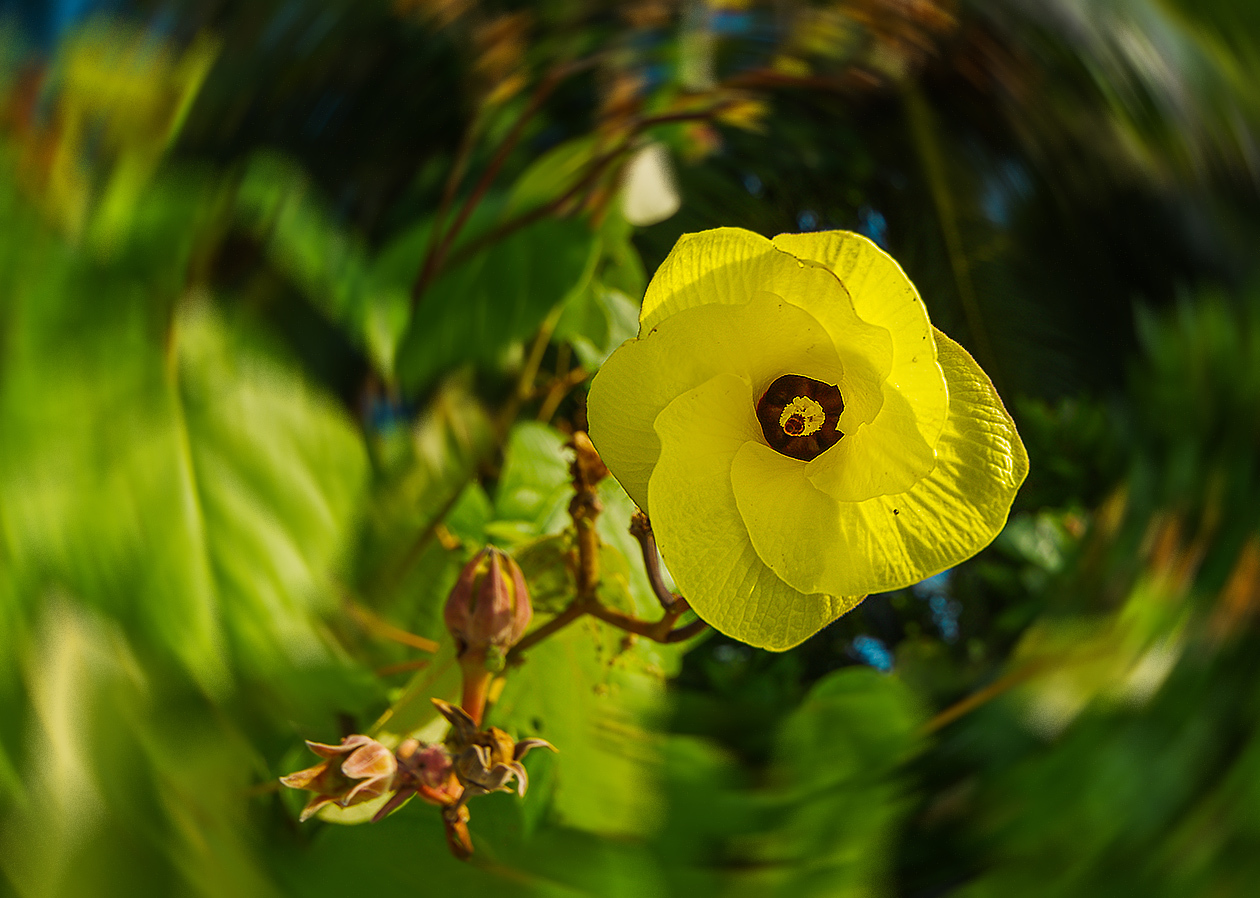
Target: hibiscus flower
[(798, 432)]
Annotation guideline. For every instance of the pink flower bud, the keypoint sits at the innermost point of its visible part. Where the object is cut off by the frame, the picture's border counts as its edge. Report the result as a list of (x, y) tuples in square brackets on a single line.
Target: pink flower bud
[(488, 610)]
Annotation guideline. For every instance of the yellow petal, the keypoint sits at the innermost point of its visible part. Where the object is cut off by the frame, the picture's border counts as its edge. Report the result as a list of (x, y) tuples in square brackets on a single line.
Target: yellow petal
[(703, 539), (724, 265), (758, 340), (882, 295), (888, 455), (728, 266), (817, 544)]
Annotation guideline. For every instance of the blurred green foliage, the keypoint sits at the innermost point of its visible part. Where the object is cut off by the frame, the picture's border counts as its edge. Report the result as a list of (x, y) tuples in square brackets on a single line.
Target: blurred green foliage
[(297, 303)]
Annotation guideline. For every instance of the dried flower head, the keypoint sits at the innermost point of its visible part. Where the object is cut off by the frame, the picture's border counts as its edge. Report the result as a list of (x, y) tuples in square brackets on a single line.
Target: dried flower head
[(357, 770), (486, 760)]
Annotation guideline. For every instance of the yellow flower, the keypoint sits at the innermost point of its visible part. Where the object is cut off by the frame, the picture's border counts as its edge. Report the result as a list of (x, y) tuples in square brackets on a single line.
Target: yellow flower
[(798, 432)]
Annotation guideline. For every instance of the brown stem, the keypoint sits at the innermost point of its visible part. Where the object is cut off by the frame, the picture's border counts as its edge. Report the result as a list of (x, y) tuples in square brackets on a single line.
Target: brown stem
[(685, 632), (596, 170), (560, 388), (529, 373), (403, 667), (389, 576), (985, 695), (641, 530), (587, 471), (515, 224), (662, 631), (572, 612), (383, 629), (435, 258), (453, 179), (658, 631)]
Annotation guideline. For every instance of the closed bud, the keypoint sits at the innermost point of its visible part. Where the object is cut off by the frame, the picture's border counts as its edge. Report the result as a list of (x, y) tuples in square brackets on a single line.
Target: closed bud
[(488, 610)]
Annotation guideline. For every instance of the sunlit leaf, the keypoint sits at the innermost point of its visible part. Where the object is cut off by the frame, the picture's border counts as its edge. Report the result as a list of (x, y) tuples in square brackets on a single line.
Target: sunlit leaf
[(475, 311)]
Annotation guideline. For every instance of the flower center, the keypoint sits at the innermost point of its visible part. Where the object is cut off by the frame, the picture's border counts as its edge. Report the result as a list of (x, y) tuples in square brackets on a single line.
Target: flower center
[(798, 416), (801, 417)]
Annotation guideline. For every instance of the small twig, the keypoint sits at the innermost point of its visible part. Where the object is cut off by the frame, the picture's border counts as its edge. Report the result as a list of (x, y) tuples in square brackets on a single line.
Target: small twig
[(685, 632), (515, 224), (403, 667), (529, 373), (388, 576), (641, 530), (559, 388), (437, 255), (587, 471), (572, 612), (383, 629), (453, 179), (983, 696), (593, 174)]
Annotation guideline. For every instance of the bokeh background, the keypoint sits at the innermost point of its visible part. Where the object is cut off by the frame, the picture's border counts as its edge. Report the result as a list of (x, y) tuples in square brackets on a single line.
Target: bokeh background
[(298, 300)]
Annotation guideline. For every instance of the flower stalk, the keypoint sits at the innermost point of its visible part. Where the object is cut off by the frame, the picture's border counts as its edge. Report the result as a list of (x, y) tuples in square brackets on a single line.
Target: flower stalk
[(487, 613), (587, 470)]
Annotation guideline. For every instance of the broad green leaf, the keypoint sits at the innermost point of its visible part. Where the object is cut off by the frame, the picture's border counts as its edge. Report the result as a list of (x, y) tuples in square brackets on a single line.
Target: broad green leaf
[(837, 771), (278, 204), (476, 311), (579, 691), (549, 176), (534, 488), (596, 321), (178, 475)]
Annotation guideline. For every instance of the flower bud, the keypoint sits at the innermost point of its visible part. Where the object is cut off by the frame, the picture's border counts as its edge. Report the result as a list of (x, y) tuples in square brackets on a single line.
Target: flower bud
[(357, 770), (488, 609)]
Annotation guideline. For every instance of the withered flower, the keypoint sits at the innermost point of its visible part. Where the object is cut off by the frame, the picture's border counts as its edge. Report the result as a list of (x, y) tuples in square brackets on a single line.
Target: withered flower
[(357, 770), (486, 760), (424, 769)]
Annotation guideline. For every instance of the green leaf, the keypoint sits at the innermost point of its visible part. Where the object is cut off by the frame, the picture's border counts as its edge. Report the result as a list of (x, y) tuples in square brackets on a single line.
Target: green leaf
[(837, 763), (178, 476), (476, 311), (548, 177), (278, 204), (596, 321), (534, 488), (582, 690)]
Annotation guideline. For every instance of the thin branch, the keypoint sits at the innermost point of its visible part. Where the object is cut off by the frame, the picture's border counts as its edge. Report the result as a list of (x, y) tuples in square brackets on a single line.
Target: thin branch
[(389, 576), (435, 258), (403, 667), (528, 218), (641, 530), (927, 145), (587, 471), (453, 179), (572, 612), (593, 174), (383, 629), (685, 632), (985, 695), (529, 373), (560, 388)]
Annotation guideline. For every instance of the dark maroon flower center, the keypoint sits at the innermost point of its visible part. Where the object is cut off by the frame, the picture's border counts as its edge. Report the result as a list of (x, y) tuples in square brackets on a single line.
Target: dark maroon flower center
[(799, 415)]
